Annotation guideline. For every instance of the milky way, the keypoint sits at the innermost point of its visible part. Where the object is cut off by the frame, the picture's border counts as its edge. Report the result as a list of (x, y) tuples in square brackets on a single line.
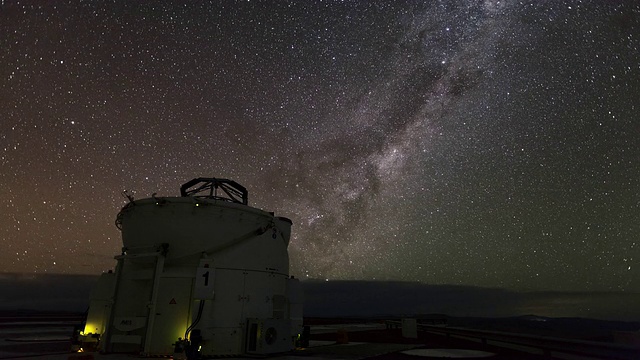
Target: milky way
[(489, 143)]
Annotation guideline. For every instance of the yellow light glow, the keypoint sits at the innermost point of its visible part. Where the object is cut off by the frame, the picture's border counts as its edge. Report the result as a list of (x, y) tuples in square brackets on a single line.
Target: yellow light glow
[(90, 328)]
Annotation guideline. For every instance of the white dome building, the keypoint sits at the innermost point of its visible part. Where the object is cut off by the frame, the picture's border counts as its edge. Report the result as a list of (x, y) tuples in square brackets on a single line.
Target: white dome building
[(202, 272)]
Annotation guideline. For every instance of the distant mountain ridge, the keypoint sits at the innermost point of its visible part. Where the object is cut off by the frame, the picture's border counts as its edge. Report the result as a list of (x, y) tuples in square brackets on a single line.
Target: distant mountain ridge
[(356, 298)]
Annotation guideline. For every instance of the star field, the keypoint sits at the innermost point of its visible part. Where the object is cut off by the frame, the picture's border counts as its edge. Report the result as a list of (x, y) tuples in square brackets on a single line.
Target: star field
[(487, 143)]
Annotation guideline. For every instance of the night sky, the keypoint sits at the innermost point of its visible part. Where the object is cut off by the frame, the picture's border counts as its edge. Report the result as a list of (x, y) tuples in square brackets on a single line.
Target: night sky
[(492, 144)]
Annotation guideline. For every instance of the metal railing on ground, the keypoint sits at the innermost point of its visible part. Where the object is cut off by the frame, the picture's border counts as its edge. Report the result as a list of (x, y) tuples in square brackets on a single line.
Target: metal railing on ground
[(550, 347)]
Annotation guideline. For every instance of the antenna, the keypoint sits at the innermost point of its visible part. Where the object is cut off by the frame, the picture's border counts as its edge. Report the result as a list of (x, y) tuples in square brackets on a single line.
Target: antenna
[(126, 194)]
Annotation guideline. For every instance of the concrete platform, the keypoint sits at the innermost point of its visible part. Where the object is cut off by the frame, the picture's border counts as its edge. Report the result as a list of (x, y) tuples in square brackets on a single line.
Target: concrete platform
[(359, 341)]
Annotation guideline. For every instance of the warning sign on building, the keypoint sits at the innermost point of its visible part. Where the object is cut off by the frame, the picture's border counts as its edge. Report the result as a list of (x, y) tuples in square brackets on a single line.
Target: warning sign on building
[(173, 301)]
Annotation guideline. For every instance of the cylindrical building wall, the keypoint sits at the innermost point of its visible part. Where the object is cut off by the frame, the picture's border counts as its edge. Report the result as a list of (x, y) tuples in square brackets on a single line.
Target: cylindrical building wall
[(191, 226)]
